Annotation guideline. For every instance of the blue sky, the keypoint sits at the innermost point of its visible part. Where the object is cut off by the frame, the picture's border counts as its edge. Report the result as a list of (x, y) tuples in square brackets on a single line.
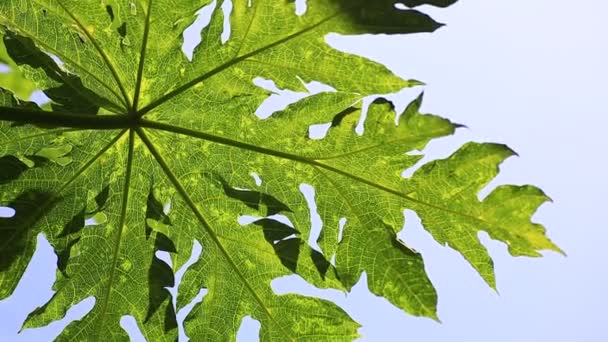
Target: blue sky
[(531, 74)]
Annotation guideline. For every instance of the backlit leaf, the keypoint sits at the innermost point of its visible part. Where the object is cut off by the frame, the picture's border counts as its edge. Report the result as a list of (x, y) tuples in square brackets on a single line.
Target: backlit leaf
[(142, 150)]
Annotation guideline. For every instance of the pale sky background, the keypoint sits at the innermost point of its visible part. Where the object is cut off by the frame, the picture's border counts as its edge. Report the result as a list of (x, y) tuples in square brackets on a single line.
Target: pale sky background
[(531, 74)]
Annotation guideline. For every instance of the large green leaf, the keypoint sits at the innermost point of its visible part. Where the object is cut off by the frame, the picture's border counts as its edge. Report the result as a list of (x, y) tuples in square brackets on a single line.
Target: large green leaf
[(135, 128)]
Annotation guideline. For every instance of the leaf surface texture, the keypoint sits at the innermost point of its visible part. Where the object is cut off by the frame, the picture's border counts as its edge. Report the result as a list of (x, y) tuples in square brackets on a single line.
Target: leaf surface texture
[(159, 151)]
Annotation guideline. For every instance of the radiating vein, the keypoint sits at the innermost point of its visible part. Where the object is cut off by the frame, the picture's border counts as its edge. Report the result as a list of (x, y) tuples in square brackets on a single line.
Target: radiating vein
[(102, 53), (142, 58), (357, 214), (231, 63), (371, 147), (46, 204), (210, 232), (121, 225), (300, 159), (68, 60), (244, 38)]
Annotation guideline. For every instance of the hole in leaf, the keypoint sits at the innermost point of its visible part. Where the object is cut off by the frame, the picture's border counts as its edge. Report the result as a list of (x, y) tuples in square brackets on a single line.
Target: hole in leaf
[(341, 224), (281, 218), (39, 98), (164, 257), (167, 207), (56, 59), (296, 284), (96, 220), (414, 153), (185, 311), (256, 178), (95, 206), (360, 129), (227, 10), (249, 330), (4, 69), (245, 219), (281, 98), (301, 7), (6, 212), (400, 6), (318, 131), (315, 219), (80, 310), (286, 284), (195, 255), (278, 100), (129, 324), (409, 172), (316, 87), (192, 34), (181, 315)]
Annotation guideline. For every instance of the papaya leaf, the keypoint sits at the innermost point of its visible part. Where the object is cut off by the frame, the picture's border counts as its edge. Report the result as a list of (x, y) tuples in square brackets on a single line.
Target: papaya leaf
[(158, 150)]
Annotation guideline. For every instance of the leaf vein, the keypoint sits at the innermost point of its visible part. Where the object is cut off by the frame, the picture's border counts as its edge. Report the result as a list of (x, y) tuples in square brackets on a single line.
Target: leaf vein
[(101, 52), (214, 237)]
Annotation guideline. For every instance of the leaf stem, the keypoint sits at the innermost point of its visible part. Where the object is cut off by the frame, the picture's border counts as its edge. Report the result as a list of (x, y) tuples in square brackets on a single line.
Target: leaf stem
[(67, 120)]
